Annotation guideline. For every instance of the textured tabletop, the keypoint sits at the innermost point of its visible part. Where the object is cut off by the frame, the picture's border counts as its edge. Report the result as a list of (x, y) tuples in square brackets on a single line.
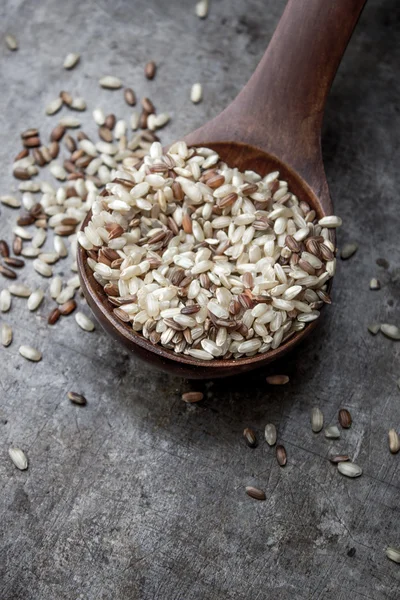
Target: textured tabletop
[(139, 496)]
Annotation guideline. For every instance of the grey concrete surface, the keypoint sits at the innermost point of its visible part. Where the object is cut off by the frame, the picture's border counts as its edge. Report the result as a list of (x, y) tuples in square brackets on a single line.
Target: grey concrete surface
[(138, 496)]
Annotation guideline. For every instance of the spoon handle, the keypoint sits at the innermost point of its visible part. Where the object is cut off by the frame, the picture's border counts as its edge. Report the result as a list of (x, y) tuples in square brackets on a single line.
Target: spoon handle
[(280, 110), (287, 93)]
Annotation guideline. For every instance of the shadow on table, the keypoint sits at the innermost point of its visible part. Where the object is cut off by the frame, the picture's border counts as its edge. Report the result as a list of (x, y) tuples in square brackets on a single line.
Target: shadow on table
[(362, 86)]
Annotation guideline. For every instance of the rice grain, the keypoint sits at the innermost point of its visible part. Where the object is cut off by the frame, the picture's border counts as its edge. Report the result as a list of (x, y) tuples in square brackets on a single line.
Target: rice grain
[(390, 331), (84, 322), (202, 9), (196, 93), (349, 469), (71, 60), (5, 301), (35, 299), (30, 353), (255, 493), (110, 82), (6, 334), (317, 420), (19, 458), (11, 42), (270, 434), (54, 106), (394, 442)]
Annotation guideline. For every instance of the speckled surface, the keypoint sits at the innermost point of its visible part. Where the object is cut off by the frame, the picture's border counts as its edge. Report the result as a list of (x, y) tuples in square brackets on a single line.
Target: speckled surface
[(137, 496)]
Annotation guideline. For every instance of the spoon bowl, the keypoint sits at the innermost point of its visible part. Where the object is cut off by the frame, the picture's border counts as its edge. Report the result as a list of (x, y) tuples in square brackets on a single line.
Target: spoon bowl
[(274, 124), (243, 156)]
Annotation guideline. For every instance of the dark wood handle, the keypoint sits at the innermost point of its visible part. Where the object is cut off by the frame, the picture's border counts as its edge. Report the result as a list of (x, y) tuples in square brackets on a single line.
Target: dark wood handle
[(280, 110), (287, 93)]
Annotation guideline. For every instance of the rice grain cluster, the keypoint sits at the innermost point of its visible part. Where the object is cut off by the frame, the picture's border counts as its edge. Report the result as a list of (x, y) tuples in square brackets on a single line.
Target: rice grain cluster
[(205, 260)]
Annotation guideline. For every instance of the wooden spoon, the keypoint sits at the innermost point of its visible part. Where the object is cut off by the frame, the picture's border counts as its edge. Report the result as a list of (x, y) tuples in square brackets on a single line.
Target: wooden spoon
[(273, 124)]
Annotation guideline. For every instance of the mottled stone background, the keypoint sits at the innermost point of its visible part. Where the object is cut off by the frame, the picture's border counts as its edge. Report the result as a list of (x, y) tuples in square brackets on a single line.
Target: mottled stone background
[(138, 496)]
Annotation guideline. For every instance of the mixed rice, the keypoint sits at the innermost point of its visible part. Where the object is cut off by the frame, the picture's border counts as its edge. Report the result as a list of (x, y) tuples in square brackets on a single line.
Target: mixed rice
[(206, 260)]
